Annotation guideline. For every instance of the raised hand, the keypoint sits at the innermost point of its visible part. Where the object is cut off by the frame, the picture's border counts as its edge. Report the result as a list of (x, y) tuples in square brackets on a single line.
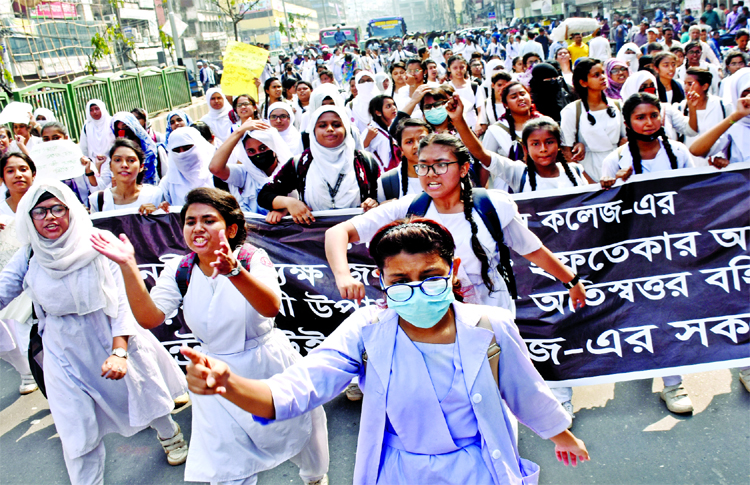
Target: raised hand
[(225, 260), (455, 107), (120, 251)]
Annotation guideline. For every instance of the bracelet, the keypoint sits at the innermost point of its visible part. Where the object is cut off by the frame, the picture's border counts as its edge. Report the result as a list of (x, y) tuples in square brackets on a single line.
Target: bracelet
[(731, 121), (570, 284), (89, 174)]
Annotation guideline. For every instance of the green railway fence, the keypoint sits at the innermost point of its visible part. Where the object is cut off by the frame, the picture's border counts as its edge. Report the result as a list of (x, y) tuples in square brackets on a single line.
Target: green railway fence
[(154, 90)]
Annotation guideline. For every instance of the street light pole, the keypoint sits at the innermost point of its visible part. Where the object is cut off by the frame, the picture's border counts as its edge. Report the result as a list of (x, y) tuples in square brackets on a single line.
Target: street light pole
[(173, 24)]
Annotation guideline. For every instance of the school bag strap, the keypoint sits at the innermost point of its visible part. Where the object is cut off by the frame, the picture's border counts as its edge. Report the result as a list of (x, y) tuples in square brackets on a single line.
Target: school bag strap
[(185, 268), (367, 171), (391, 184), (516, 152), (100, 200), (486, 209), (579, 112), (493, 351), (523, 178)]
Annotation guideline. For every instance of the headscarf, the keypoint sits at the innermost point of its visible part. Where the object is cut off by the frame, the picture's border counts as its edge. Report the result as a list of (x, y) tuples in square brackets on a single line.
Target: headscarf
[(16, 112), (316, 101), (613, 87), (740, 82), (182, 115), (217, 119), (361, 104), (547, 90), (327, 164), (99, 136), (633, 84), (291, 136), (630, 59), (70, 276), (47, 113), (379, 80), (147, 143), (188, 170)]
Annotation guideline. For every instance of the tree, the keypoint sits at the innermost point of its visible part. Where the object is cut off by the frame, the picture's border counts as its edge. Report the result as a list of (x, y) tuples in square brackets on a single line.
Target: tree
[(235, 10), (296, 28), (100, 49)]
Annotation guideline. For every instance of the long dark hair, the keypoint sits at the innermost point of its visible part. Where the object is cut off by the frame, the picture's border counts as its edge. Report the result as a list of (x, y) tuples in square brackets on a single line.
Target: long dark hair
[(677, 92), (376, 104), (136, 147), (402, 125), (581, 73), (627, 110), (225, 204), (495, 78), (249, 98), (266, 87), (459, 150), (7, 156), (516, 153), (547, 124)]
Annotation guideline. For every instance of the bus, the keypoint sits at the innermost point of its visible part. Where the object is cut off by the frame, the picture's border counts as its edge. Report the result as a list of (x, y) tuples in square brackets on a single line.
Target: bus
[(351, 32), (384, 27)]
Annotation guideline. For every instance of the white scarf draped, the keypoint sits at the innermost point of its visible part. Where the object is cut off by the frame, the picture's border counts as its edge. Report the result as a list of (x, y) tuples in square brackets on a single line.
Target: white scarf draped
[(218, 119), (630, 59), (69, 277), (188, 170), (99, 135), (291, 136), (632, 85), (361, 104), (327, 164), (740, 82)]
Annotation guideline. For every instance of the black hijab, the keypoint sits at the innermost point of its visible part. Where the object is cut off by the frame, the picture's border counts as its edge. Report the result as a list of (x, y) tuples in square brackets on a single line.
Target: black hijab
[(549, 91)]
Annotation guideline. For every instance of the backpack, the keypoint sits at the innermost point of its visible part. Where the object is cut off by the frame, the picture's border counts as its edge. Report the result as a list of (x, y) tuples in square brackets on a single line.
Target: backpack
[(516, 152), (483, 205), (391, 184), (185, 268), (368, 187)]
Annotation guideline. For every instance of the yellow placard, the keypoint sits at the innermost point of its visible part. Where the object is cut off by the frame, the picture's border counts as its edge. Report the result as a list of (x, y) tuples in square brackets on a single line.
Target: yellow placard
[(242, 64)]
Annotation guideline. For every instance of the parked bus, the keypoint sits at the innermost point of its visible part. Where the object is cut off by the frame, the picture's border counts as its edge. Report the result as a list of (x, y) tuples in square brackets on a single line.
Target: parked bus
[(351, 32), (384, 27)]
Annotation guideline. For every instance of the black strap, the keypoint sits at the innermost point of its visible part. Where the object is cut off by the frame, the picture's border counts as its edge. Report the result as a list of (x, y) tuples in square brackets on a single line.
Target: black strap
[(100, 200), (332, 191), (523, 179), (390, 183)]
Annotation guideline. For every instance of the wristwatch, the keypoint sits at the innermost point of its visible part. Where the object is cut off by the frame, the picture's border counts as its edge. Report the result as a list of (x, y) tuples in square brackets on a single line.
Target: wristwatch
[(569, 285), (120, 352), (235, 271)]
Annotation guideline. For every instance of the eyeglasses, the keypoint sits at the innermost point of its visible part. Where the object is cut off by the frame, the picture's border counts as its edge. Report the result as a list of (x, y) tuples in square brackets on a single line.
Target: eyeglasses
[(278, 117), (434, 105), (439, 168), (433, 286), (40, 213), (243, 105), (619, 70), (413, 72)]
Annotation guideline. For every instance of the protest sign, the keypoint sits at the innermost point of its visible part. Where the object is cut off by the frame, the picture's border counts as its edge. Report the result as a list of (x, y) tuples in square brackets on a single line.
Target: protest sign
[(664, 261), (58, 159), (242, 64)]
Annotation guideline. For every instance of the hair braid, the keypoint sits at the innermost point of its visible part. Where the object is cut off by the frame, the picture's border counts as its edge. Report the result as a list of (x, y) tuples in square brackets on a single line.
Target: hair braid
[(468, 201), (635, 152), (494, 106), (404, 175), (561, 160), (670, 153), (531, 170)]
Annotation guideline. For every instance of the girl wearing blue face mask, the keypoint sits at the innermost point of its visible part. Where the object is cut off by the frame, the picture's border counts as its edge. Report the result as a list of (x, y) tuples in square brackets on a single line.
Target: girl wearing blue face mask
[(432, 410)]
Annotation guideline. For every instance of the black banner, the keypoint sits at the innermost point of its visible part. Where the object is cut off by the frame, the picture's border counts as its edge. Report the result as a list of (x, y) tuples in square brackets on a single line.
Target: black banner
[(664, 261)]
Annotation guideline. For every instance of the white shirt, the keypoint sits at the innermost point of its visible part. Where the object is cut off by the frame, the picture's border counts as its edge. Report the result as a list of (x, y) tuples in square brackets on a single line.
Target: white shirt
[(150, 194), (616, 161), (472, 103), (512, 172)]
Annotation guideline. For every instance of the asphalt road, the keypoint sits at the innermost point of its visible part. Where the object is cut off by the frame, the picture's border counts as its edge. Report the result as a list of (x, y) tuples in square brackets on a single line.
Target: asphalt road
[(631, 437)]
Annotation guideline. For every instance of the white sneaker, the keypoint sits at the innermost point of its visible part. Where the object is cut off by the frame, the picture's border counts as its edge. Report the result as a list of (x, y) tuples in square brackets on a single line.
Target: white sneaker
[(175, 447), (568, 407), (181, 400), (353, 392), (744, 379), (28, 384), (322, 481), (677, 399)]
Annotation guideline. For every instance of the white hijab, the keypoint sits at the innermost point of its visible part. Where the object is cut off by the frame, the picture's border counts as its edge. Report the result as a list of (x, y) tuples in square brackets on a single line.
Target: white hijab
[(361, 104), (70, 276), (47, 113), (380, 81), (630, 59), (741, 82), (291, 136), (188, 170), (16, 112), (633, 84), (218, 119), (99, 135), (326, 166)]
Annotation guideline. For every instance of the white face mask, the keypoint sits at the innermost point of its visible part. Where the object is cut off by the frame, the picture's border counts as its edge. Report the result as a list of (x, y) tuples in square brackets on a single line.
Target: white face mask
[(366, 88)]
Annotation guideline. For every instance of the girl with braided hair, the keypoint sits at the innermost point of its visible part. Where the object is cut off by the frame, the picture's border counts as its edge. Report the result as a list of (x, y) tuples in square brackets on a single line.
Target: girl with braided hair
[(493, 107), (378, 141), (443, 171), (403, 178), (648, 149), (592, 126)]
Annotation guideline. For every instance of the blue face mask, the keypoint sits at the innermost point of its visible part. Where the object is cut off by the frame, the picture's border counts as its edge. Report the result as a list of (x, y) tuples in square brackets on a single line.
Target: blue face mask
[(422, 310), (436, 116)]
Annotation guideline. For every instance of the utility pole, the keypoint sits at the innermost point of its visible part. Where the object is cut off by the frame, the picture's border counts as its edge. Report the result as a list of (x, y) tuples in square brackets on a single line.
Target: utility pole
[(286, 23), (175, 36)]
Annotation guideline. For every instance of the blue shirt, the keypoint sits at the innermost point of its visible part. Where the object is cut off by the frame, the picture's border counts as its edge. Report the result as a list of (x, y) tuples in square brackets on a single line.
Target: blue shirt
[(339, 37)]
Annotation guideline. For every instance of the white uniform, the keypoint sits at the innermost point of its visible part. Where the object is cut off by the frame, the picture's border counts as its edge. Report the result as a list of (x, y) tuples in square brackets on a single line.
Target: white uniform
[(226, 443), (150, 194), (512, 172), (623, 159)]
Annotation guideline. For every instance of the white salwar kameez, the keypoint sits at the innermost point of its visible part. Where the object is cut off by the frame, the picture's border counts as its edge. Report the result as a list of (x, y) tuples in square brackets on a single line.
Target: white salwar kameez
[(226, 443)]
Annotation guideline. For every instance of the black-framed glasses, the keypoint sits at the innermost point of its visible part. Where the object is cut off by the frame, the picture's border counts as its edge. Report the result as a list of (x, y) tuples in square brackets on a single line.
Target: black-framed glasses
[(243, 105), (439, 168), (40, 213), (434, 105), (432, 286), (278, 117)]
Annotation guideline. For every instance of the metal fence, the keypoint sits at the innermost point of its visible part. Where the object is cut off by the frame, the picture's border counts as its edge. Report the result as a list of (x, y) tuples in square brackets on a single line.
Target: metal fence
[(154, 90)]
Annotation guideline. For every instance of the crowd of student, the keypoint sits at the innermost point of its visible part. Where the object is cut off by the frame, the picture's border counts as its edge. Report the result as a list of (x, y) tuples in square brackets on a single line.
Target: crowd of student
[(412, 138)]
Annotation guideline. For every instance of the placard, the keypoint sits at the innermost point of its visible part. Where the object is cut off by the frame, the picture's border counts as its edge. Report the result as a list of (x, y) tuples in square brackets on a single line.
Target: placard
[(59, 159), (242, 64)]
